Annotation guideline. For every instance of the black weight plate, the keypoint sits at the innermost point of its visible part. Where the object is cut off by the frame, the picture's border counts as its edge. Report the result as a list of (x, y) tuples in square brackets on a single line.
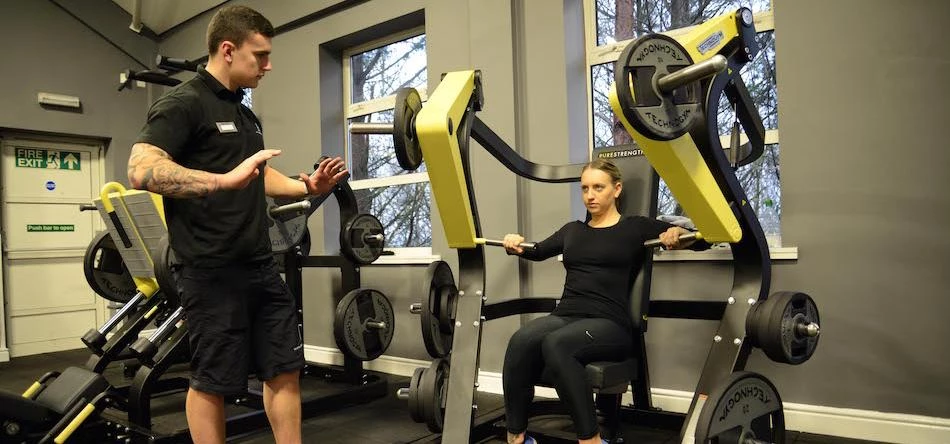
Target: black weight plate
[(771, 340), (415, 409), (655, 115), (105, 270), (353, 335), (405, 142), (782, 342), (353, 244), (432, 385), (438, 342), (799, 347), (166, 273), (286, 229), (744, 406)]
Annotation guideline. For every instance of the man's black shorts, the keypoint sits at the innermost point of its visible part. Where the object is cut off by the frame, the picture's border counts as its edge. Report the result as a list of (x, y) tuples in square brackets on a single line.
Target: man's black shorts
[(241, 319)]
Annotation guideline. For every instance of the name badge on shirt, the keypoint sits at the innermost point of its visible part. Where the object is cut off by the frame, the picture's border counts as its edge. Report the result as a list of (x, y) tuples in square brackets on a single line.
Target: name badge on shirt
[(226, 127)]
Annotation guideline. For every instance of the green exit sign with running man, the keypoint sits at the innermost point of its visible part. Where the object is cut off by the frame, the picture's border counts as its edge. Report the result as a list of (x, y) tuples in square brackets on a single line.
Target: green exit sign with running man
[(47, 159)]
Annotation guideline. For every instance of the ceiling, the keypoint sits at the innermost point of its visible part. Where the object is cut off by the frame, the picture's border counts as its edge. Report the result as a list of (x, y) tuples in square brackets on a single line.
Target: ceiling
[(162, 15)]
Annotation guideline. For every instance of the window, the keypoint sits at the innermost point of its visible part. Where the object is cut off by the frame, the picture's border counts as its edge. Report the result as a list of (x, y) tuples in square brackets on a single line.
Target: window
[(612, 24), (400, 199), (248, 100)]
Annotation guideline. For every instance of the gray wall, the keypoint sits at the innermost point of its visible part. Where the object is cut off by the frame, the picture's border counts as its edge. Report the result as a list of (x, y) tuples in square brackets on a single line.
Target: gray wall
[(863, 94), (54, 52), (863, 107)]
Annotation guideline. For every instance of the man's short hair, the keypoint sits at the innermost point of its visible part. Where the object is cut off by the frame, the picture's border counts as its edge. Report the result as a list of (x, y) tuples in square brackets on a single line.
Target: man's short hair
[(235, 24)]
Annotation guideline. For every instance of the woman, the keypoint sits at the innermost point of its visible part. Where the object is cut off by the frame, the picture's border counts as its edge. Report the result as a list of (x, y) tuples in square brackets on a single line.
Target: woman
[(592, 322)]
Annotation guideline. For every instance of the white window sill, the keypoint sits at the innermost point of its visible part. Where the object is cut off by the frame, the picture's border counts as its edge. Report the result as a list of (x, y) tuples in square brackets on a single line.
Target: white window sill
[(720, 254), (714, 254), (407, 260)]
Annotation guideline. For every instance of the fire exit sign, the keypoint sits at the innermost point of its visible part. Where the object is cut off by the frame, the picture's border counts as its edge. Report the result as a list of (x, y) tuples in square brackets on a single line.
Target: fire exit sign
[(48, 159)]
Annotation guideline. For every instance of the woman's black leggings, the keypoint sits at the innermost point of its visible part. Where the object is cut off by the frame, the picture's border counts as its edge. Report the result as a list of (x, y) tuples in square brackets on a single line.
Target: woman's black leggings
[(563, 346)]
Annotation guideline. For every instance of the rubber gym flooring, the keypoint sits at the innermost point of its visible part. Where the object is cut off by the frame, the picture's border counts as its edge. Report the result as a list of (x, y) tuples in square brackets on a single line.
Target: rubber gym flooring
[(382, 421)]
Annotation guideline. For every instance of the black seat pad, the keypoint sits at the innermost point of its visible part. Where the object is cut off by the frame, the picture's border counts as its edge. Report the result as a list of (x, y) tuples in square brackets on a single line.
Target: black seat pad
[(604, 376), (608, 375), (74, 384), (23, 410)]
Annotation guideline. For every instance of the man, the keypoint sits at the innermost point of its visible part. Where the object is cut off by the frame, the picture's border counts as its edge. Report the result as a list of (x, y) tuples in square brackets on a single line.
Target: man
[(204, 152)]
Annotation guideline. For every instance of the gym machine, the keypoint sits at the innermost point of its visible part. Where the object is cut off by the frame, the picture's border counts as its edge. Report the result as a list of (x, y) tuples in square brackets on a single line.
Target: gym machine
[(58, 404), (110, 278), (452, 315), (667, 93)]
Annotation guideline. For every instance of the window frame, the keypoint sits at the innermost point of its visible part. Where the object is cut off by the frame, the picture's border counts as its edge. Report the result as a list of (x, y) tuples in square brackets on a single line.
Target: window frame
[(351, 110), (610, 52)]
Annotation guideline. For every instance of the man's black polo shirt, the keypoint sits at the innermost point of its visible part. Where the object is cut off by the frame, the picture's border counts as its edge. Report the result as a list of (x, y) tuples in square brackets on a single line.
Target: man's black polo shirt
[(203, 126)]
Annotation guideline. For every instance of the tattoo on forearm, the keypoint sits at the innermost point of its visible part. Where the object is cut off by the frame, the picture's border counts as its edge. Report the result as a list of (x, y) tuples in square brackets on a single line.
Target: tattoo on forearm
[(158, 173)]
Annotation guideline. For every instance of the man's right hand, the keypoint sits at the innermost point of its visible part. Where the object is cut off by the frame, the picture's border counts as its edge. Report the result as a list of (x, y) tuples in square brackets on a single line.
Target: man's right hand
[(246, 171)]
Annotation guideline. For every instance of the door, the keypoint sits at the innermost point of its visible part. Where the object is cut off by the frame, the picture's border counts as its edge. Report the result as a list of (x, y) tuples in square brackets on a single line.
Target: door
[(48, 304)]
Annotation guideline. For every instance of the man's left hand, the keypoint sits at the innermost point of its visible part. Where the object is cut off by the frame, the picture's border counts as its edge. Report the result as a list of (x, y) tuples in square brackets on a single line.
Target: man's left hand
[(329, 173)]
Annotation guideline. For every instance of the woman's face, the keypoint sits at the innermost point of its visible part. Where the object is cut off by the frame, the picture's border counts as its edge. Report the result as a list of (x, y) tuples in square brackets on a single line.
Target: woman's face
[(599, 191)]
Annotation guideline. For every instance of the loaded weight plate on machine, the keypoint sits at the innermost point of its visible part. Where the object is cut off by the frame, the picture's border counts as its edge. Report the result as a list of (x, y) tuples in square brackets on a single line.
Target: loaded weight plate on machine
[(434, 317), (744, 407), (405, 142), (778, 327), (358, 239), (105, 270), (654, 114), (364, 323), (166, 274)]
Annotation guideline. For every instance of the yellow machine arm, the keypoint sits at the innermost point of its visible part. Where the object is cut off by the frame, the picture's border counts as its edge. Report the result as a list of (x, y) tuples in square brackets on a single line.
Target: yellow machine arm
[(658, 99), (440, 148)]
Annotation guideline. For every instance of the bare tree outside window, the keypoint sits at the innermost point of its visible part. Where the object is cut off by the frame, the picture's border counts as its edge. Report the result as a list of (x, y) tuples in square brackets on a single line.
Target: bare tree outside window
[(619, 20), (248, 99), (608, 131), (402, 206), (380, 72)]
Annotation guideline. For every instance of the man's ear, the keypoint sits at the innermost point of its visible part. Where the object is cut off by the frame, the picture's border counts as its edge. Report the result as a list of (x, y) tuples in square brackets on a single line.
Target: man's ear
[(227, 50)]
